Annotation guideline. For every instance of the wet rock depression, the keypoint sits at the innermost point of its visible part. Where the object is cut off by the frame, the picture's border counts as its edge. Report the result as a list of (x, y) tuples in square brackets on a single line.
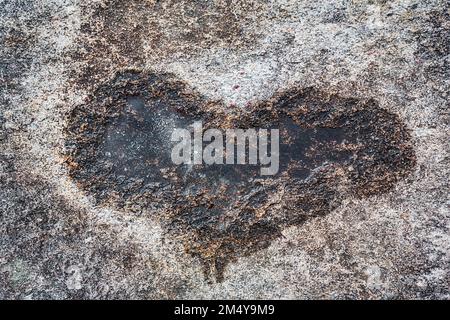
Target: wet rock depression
[(119, 151)]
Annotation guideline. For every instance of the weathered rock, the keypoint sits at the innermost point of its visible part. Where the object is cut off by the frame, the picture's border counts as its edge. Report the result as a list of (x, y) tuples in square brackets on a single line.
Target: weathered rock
[(359, 208)]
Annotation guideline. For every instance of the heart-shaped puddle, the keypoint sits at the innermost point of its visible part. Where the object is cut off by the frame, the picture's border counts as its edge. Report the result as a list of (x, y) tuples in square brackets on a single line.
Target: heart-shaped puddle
[(119, 149)]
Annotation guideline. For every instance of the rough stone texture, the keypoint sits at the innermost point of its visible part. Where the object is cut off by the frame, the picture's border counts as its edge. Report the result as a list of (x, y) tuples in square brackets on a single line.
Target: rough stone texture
[(58, 241)]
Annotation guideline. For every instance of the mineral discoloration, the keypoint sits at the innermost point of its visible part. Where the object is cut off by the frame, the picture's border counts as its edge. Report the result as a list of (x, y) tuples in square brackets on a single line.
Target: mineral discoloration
[(162, 29), (119, 150)]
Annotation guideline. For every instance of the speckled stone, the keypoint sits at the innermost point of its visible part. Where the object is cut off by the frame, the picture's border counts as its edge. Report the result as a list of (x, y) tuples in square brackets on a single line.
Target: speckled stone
[(388, 238)]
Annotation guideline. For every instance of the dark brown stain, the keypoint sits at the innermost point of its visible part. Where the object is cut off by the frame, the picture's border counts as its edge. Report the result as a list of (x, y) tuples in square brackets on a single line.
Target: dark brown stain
[(118, 149), (120, 34), (433, 41)]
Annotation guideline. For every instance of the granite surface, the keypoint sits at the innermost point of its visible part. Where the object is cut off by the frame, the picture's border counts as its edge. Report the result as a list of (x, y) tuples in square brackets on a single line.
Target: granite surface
[(374, 226)]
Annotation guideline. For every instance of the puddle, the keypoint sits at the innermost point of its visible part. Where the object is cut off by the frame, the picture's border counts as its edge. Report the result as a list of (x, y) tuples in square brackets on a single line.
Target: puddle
[(119, 147)]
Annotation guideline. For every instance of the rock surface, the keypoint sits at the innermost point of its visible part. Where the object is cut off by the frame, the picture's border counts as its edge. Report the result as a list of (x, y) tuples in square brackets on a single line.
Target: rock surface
[(382, 66)]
